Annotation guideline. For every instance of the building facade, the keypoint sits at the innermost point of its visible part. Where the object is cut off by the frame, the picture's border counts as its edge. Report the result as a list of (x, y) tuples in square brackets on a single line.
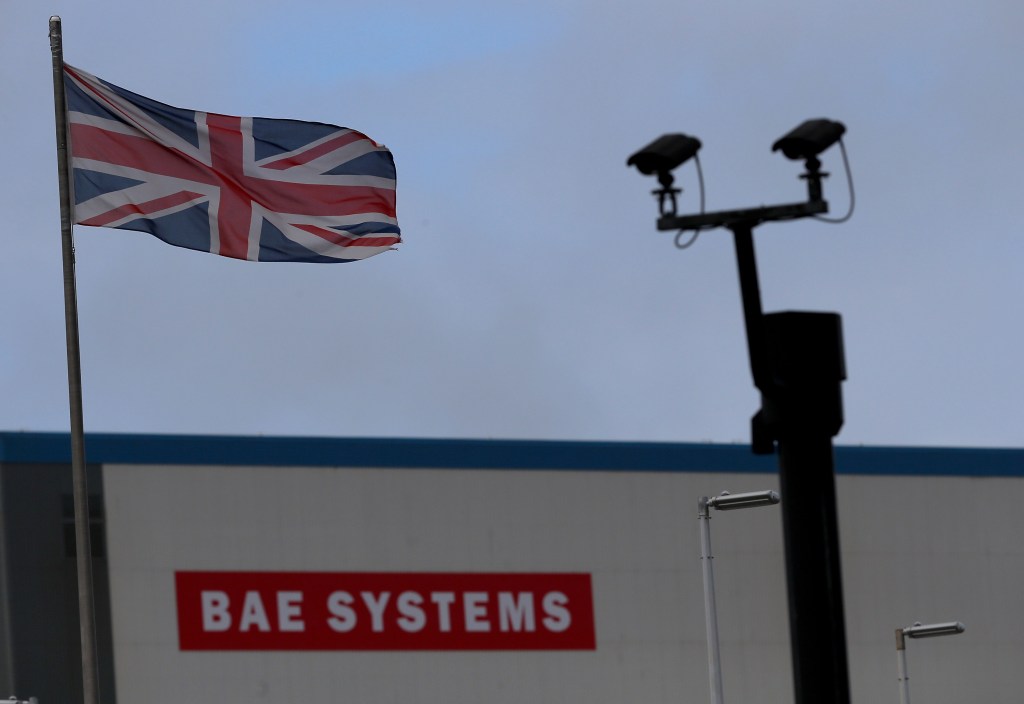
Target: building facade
[(246, 569)]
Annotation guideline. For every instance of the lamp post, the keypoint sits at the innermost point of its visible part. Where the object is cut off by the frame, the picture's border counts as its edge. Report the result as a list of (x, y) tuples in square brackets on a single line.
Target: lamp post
[(723, 502), (918, 631)]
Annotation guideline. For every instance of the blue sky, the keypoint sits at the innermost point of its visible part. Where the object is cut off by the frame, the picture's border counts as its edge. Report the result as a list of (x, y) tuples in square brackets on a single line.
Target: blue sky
[(532, 296)]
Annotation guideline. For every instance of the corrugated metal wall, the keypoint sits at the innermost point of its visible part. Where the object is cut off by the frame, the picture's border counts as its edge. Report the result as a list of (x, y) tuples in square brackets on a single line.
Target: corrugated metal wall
[(928, 534), (915, 548)]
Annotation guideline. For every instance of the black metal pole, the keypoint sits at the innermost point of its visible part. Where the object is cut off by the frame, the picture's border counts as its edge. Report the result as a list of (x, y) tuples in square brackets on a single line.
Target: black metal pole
[(750, 293), (797, 363), (813, 575), (801, 412)]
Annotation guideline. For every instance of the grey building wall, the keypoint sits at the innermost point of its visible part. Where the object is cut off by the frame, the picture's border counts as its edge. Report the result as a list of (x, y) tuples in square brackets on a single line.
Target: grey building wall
[(927, 534), (41, 654)]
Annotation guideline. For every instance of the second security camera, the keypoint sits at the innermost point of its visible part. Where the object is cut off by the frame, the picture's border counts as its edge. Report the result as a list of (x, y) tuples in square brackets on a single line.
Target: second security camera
[(810, 138), (664, 154)]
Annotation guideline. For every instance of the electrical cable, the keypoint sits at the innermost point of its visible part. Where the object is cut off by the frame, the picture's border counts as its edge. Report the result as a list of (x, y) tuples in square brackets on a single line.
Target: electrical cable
[(696, 232), (700, 181), (849, 181), (679, 236)]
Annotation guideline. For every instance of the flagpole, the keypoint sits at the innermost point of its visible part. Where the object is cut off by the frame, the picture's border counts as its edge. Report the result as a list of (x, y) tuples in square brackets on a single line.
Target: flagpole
[(83, 548)]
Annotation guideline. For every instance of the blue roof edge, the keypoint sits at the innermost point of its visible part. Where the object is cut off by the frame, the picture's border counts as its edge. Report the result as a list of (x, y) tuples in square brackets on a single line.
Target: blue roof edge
[(258, 450)]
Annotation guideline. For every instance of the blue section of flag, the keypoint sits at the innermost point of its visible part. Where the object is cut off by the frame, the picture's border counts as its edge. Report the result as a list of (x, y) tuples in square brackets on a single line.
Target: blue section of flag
[(186, 228), (275, 247), (89, 184), (180, 122), (276, 136), (79, 102), (373, 163), (366, 228)]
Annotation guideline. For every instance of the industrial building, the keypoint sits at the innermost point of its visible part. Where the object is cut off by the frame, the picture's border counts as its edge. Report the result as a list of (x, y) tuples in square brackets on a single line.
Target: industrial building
[(376, 570)]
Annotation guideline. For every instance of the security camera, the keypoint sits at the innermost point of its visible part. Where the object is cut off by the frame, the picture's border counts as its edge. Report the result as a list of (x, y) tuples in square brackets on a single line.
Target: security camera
[(664, 154), (810, 139)]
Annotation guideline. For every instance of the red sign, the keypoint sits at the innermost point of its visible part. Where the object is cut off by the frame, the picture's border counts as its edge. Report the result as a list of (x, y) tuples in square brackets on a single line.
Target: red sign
[(384, 611)]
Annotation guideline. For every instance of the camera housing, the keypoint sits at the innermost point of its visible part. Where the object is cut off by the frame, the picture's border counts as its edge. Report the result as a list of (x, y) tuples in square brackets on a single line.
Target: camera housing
[(810, 138), (664, 154)]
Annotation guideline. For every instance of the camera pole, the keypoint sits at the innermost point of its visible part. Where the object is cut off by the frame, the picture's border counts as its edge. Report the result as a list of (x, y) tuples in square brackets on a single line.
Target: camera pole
[(796, 359), (797, 364)]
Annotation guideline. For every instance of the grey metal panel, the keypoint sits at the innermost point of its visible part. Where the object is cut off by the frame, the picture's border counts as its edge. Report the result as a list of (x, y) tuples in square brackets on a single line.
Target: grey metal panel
[(914, 548), (42, 596), (932, 550), (928, 548), (633, 532), (7, 681)]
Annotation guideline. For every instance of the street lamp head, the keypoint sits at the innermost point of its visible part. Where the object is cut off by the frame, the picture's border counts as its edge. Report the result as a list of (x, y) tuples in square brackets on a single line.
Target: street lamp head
[(728, 502), (934, 629), (664, 154), (810, 138)]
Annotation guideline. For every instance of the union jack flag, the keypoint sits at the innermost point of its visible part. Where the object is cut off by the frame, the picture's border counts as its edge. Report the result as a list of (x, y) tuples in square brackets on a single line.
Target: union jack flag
[(245, 187)]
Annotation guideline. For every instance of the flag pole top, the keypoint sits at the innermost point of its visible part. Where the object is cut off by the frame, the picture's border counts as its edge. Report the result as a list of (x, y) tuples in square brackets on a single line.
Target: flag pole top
[(55, 33)]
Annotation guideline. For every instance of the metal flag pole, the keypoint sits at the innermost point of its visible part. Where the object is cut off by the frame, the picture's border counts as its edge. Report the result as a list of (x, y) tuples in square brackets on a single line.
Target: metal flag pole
[(83, 548)]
